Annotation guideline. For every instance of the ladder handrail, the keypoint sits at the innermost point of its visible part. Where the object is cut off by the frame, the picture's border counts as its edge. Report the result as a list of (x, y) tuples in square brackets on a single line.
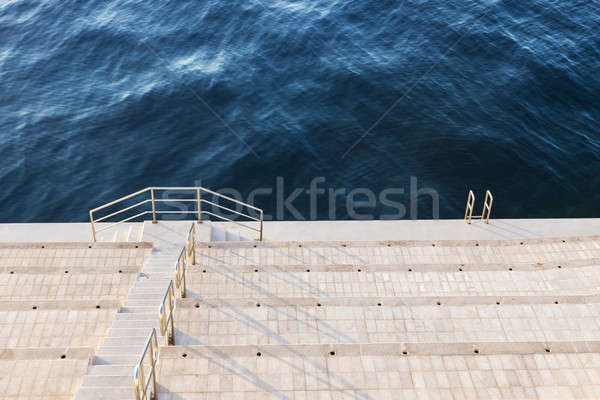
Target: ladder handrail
[(198, 190), (470, 204), (487, 207)]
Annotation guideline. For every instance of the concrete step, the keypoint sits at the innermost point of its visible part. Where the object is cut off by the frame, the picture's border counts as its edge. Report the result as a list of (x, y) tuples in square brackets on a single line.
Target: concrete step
[(146, 296), (138, 310), (124, 381), (112, 370), (128, 332), (130, 350), (126, 341), (116, 359), (105, 393), (381, 322), (137, 316), (141, 323), (153, 302), (511, 282), (150, 290)]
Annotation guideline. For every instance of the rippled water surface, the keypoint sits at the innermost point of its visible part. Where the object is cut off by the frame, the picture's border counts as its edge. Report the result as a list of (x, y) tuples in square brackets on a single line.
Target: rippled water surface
[(102, 98)]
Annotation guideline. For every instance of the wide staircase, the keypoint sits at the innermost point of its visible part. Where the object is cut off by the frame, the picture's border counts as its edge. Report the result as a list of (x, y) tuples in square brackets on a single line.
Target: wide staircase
[(57, 301), (387, 320)]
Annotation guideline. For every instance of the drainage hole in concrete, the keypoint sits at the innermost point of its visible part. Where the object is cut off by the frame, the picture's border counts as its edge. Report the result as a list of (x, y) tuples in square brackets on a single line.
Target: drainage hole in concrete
[(197, 306), (318, 304), (438, 303), (63, 356), (34, 307), (258, 354), (98, 307), (332, 353), (476, 351), (184, 355), (405, 352), (379, 304), (547, 350), (257, 304)]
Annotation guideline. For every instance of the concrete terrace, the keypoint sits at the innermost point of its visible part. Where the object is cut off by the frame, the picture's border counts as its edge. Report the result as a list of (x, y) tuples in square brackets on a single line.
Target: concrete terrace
[(318, 310)]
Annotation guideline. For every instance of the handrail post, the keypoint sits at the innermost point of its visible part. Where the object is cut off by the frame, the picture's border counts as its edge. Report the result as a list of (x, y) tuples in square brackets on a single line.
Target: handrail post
[(153, 206), (172, 315), (153, 364), (486, 206), (142, 379), (470, 204), (193, 244), (198, 206), (93, 227), (261, 226)]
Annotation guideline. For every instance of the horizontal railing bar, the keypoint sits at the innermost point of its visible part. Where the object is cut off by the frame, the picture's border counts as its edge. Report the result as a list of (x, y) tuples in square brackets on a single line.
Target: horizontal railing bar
[(121, 199), (229, 209), (123, 210), (230, 199), (172, 200), (176, 212), (125, 220), (208, 191), (230, 220)]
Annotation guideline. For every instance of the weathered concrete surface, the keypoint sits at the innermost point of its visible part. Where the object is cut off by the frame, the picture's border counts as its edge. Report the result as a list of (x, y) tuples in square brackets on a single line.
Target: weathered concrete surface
[(54, 311), (320, 230), (389, 317), (327, 310)]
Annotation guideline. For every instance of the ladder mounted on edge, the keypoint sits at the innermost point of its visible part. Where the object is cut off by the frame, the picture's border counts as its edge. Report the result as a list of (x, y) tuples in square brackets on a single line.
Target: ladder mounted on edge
[(487, 207)]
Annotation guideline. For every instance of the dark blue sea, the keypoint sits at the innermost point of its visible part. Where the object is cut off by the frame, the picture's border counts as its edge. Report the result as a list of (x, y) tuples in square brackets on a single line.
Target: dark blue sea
[(101, 98)]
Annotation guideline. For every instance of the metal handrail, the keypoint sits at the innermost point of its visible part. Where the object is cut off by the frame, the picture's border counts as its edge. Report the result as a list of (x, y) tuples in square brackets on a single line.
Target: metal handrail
[(167, 328), (187, 253), (141, 383), (469, 209), (198, 211), (487, 207)]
